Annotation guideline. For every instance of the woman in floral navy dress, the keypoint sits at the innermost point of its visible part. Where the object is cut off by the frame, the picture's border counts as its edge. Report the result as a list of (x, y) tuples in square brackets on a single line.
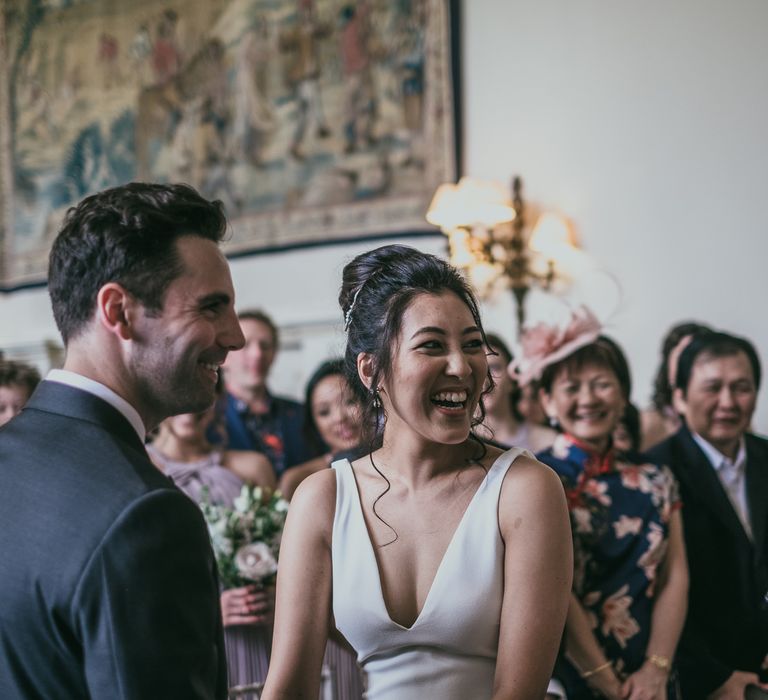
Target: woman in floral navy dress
[(631, 580)]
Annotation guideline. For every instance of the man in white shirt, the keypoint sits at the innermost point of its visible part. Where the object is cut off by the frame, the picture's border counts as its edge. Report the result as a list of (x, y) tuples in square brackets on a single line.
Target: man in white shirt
[(108, 582), (723, 474)]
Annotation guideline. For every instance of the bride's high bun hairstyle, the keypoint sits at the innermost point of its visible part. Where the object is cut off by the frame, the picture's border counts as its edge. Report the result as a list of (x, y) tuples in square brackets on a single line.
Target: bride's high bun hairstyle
[(377, 287)]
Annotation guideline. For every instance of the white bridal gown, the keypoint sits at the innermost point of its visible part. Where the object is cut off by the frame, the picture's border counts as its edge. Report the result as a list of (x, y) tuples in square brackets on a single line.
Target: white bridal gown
[(450, 650)]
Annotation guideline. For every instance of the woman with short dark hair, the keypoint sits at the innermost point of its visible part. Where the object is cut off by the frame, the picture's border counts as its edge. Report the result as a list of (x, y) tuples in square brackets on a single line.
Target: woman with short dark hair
[(630, 579)]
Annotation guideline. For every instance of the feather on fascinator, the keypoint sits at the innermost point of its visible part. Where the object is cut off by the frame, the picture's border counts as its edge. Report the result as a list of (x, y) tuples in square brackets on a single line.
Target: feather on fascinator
[(543, 345)]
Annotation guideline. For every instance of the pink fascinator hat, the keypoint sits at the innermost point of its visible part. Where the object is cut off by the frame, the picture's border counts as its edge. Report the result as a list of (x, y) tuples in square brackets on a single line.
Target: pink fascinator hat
[(543, 345)]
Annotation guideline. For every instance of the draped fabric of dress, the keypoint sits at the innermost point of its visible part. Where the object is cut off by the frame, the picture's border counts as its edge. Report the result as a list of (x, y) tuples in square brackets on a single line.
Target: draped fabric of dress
[(620, 507), (450, 650)]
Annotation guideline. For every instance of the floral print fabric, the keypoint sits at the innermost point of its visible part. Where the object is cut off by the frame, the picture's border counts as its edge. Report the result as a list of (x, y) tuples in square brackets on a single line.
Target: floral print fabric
[(620, 510)]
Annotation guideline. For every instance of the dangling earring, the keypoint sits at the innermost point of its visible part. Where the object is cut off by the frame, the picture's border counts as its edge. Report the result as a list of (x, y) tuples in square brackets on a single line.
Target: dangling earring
[(376, 398), (553, 422)]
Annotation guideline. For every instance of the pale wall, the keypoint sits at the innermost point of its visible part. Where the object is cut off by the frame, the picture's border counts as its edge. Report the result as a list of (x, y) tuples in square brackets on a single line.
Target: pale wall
[(643, 122)]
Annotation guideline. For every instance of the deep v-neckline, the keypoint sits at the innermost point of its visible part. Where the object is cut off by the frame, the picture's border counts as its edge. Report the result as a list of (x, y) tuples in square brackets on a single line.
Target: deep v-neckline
[(372, 553)]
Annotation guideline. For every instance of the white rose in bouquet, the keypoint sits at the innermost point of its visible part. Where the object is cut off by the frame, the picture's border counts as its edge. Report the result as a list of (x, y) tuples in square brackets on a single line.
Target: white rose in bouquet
[(246, 536), (255, 561)]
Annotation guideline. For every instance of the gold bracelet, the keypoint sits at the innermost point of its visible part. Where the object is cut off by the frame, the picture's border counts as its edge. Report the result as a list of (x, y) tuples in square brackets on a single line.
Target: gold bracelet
[(660, 662), (601, 667)]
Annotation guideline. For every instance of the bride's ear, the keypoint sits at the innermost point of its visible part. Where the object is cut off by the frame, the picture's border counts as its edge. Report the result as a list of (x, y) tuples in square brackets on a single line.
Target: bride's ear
[(366, 368)]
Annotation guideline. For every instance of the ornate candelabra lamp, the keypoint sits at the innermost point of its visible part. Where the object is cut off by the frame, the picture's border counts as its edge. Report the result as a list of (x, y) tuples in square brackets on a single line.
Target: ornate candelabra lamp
[(488, 238)]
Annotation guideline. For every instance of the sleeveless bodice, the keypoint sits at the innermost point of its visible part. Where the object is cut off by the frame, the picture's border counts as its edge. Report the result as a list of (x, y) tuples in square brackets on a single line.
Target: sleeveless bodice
[(203, 478), (450, 650)]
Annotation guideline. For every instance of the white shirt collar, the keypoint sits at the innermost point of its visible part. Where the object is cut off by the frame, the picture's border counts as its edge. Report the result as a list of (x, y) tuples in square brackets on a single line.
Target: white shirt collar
[(78, 381), (718, 460)]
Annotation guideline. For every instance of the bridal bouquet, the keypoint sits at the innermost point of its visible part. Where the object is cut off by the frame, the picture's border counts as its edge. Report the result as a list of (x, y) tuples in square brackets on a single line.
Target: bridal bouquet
[(246, 537)]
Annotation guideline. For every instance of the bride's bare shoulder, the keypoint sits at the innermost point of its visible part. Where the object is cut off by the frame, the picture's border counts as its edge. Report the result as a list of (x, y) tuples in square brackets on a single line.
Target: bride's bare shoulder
[(314, 502), (528, 480)]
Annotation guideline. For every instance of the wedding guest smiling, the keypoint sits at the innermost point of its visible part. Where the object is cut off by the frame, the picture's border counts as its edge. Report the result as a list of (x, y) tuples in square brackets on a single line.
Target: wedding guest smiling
[(255, 418), (723, 472), (630, 580), (332, 422)]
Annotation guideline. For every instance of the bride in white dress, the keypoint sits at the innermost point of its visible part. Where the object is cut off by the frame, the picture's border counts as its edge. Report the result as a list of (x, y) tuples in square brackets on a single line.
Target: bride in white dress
[(444, 562)]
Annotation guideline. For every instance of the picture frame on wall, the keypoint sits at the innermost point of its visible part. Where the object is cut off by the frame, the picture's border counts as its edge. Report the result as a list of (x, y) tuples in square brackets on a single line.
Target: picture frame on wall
[(313, 121)]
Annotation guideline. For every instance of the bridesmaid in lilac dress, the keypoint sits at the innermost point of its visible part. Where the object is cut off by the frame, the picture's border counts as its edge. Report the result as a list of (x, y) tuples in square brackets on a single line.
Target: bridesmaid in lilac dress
[(182, 451)]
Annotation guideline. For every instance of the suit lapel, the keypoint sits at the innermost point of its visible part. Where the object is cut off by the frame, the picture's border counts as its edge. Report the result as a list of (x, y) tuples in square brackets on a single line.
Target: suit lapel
[(704, 483), (757, 489)]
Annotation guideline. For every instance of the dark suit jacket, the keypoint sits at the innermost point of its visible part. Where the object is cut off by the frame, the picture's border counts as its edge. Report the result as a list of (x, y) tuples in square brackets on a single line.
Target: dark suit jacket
[(108, 586), (727, 625), (280, 433)]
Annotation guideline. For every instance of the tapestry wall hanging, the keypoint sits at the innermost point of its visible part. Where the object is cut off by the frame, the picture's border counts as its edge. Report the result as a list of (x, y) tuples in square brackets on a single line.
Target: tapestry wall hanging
[(312, 120)]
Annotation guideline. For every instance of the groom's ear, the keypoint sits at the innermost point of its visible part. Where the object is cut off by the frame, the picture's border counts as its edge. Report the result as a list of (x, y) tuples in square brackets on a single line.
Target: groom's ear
[(117, 309)]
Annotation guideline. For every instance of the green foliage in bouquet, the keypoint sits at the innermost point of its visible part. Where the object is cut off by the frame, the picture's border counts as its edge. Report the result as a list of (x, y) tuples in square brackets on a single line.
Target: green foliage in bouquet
[(246, 537)]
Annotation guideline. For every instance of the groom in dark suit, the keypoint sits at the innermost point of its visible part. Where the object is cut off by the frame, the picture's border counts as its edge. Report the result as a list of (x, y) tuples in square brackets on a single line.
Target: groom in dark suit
[(723, 475), (108, 587)]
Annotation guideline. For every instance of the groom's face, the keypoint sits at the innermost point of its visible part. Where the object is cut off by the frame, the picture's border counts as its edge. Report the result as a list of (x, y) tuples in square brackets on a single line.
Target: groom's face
[(177, 353)]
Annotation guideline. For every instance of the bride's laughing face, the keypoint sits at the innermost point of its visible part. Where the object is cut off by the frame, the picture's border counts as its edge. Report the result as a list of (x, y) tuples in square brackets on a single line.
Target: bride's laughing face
[(438, 370)]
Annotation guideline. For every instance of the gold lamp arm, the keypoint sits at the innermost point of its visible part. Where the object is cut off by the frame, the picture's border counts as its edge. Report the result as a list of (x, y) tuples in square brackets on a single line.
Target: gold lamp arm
[(488, 238)]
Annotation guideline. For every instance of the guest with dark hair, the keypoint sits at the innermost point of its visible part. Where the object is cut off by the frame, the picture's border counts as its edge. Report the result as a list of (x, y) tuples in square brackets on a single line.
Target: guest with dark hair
[(255, 418), (459, 581), (17, 382), (109, 584), (630, 583), (661, 420), (503, 424), (723, 475), (331, 423)]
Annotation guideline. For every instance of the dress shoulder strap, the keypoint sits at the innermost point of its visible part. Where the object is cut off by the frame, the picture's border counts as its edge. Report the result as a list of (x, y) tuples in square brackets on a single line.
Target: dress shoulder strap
[(504, 461), (346, 489)]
